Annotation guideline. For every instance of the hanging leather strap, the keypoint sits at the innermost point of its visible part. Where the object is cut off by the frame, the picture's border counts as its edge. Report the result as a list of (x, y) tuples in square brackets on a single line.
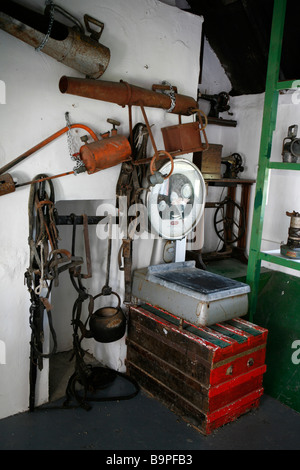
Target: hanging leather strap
[(46, 262)]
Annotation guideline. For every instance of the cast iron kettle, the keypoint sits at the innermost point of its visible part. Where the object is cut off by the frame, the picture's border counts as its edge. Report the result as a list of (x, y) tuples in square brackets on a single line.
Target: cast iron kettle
[(107, 324)]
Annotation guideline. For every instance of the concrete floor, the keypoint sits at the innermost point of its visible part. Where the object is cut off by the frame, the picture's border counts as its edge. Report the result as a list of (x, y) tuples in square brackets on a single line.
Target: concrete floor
[(61, 367), (141, 424)]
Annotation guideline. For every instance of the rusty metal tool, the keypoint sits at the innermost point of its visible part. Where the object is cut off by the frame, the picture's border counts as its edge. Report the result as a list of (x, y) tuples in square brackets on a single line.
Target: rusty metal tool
[(94, 156), (69, 45), (124, 94), (42, 144)]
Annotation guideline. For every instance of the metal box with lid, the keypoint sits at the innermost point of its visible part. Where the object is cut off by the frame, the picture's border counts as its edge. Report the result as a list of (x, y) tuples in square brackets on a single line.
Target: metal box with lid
[(195, 295), (209, 162), (207, 375)]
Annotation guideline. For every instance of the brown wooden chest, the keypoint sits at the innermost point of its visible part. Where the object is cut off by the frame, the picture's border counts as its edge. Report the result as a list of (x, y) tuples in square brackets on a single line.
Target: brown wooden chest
[(207, 375)]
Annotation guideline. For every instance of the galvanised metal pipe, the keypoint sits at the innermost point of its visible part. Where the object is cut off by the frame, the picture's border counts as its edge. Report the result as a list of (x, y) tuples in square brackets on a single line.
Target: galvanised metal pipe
[(124, 94), (65, 44)]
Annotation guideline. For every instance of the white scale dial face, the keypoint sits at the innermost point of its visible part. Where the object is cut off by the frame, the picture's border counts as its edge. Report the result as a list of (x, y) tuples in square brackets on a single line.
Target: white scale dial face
[(176, 206)]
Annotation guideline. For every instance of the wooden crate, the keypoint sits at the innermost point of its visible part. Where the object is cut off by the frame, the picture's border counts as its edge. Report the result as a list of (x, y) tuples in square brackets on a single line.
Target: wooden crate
[(208, 375)]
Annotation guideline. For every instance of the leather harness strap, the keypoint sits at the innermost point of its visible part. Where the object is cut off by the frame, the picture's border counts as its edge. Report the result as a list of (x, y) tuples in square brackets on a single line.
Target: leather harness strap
[(130, 185), (45, 265)]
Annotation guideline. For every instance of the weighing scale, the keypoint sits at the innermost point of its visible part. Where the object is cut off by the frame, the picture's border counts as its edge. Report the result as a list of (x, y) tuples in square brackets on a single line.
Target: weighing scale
[(174, 208)]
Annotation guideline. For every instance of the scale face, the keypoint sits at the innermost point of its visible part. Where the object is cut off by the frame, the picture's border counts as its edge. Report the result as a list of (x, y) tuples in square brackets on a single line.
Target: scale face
[(176, 206)]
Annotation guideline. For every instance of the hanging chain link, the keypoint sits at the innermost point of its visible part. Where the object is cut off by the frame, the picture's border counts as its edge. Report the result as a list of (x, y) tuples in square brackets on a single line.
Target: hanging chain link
[(69, 137), (79, 165), (171, 95), (51, 20)]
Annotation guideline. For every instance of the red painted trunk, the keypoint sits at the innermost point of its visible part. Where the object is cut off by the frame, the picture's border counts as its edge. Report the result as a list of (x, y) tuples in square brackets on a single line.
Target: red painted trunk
[(208, 375)]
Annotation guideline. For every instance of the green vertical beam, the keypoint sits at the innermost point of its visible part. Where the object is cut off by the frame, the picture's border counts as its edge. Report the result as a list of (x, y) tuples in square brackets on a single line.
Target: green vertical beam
[(268, 126)]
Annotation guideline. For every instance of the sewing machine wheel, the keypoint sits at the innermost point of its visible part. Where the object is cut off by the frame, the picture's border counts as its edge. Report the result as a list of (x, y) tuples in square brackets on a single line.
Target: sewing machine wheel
[(229, 221)]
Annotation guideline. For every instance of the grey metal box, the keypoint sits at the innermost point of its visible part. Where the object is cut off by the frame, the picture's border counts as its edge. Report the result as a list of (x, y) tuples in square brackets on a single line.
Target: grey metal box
[(193, 294)]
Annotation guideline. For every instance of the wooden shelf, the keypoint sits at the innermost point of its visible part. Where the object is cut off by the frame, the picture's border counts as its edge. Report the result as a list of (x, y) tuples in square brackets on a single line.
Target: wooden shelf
[(227, 181), (284, 166), (276, 257), (221, 122)]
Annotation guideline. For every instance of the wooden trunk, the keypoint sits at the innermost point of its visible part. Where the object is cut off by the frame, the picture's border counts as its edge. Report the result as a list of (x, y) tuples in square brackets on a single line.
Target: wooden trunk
[(207, 375)]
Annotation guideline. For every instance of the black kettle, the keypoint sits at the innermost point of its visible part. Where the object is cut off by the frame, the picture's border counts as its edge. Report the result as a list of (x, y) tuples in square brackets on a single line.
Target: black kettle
[(107, 324)]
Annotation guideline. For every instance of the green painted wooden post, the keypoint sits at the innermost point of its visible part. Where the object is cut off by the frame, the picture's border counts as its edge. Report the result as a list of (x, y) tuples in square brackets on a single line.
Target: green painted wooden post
[(268, 127)]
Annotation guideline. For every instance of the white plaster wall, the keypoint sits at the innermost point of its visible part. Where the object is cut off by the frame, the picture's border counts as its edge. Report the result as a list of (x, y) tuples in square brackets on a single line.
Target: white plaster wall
[(213, 77), (284, 189), (213, 81), (149, 42), (245, 140)]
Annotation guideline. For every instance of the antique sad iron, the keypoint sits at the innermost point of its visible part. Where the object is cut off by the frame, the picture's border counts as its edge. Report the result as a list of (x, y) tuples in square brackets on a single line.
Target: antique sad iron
[(292, 247)]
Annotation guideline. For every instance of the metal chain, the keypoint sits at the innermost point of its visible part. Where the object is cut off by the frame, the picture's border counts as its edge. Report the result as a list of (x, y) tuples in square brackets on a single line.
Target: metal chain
[(51, 20), (79, 165), (69, 137), (171, 94)]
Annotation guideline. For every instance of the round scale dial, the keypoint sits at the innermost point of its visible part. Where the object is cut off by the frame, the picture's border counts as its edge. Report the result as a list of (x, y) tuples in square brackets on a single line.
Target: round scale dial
[(176, 206)]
